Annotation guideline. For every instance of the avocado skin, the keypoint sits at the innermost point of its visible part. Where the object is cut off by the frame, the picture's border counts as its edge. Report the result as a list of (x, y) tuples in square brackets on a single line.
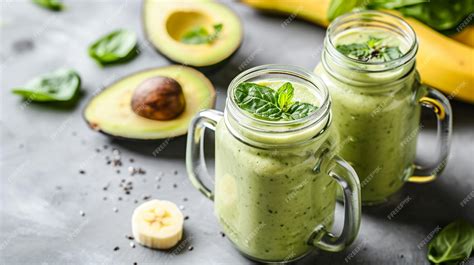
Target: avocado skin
[(208, 69), (122, 138)]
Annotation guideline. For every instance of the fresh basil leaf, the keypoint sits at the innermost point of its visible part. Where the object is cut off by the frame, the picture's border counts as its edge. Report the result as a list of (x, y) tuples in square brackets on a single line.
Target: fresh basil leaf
[(60, 85), (199, 35), (54, 5), (440, 14), (453, 243), (268, 104), (393, 4), (299, 110), (285, 95), (115, 47), (371, 51), (339, 7), (259, 100)]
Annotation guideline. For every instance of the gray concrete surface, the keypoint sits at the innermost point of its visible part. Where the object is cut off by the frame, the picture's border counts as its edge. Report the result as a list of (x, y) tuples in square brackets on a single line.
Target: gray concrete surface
[(44, 147)]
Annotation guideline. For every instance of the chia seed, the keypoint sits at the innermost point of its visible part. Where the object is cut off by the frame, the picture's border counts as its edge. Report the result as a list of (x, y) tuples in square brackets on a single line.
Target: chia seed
[(175, 185), (175, 172), (190, 248), (115, 209), (82, 213), (82, 172), (131, 160), (186, 217), (132, 244), (116, 248)]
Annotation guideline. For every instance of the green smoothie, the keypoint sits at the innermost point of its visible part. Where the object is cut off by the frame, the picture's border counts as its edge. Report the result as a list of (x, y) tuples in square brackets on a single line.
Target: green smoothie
[(268, 200), (376, 113)]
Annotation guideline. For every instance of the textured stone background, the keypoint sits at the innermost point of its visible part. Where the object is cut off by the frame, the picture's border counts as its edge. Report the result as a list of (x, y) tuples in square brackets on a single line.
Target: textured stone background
[(43, 148)]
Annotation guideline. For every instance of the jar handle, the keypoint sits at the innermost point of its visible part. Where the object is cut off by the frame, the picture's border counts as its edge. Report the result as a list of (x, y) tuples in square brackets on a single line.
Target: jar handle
[(441, 107), (347, 178), (195, 162)]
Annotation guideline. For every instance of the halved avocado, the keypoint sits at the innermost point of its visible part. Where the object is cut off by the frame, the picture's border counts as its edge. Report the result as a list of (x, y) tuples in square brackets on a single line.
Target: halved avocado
[(166, 22), (111, 111)]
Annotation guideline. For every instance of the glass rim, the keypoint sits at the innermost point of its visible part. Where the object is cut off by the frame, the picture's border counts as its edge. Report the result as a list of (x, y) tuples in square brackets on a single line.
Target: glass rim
[(369, 16), (296, 71)]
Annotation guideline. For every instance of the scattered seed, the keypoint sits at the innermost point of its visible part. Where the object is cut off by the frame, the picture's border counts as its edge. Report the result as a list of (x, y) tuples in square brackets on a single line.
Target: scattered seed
[(82, 213), (82, 172), (123, 180), (186, 217), (190, 248), (146, 197), (222, 234), (158, 187), (115, 209), (135, 201), (97, 150), (131, 160), (59, 187), (116, 152), (119, 198), (181, 207), (118, 171), (129, 237), (105, 146), (141, 171), (132, 244), (116, 248), (105, 198), (127, 192), (108, 162), (175, 172), (105, 188), (74, 133), (175, 185), (185, 199)]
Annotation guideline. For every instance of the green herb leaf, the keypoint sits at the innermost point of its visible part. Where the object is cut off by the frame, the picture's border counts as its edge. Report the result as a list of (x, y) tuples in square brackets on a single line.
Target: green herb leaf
[(371, 51), (441, 15), (268, 104), (199, 35), (116, 47), (54, 5), (60, 85), (299, 110), (339, 7), (438, 14), (285, 95), (453, 243)]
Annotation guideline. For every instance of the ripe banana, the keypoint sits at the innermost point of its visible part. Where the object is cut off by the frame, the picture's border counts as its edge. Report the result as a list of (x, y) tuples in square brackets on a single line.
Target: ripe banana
[(443, 63), (157, 224), (466, 36)]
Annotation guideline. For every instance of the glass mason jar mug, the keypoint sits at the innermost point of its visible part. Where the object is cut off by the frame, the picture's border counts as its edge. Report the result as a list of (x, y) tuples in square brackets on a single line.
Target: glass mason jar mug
[(377, 105), (275, 183)]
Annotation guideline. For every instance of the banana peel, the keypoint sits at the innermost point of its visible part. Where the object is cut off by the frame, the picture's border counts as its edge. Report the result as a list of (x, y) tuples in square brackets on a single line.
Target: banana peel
[(443, 63), (465, 36)]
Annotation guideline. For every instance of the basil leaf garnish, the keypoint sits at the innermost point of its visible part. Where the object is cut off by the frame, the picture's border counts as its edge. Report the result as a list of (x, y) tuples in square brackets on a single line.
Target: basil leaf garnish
[(54, 5), (60, 85), (266, 103), (371, 51), (115, 47), (285, 94), (199, 35), (454, 243)]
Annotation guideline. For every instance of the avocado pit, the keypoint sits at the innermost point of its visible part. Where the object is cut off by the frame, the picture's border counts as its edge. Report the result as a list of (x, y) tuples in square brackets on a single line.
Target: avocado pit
[(158, 98)]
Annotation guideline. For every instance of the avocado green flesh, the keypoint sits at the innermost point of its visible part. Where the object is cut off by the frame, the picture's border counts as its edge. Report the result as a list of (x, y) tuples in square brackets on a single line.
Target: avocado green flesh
[(166, 22), (111, 111)]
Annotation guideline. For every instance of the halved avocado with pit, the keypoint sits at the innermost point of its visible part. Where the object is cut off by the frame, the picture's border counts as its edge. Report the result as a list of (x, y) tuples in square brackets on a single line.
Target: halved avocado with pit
[(152, 104), (166, 22)]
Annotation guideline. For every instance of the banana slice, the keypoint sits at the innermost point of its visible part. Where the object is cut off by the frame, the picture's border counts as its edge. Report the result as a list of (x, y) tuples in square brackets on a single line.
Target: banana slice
[(157, 224)]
